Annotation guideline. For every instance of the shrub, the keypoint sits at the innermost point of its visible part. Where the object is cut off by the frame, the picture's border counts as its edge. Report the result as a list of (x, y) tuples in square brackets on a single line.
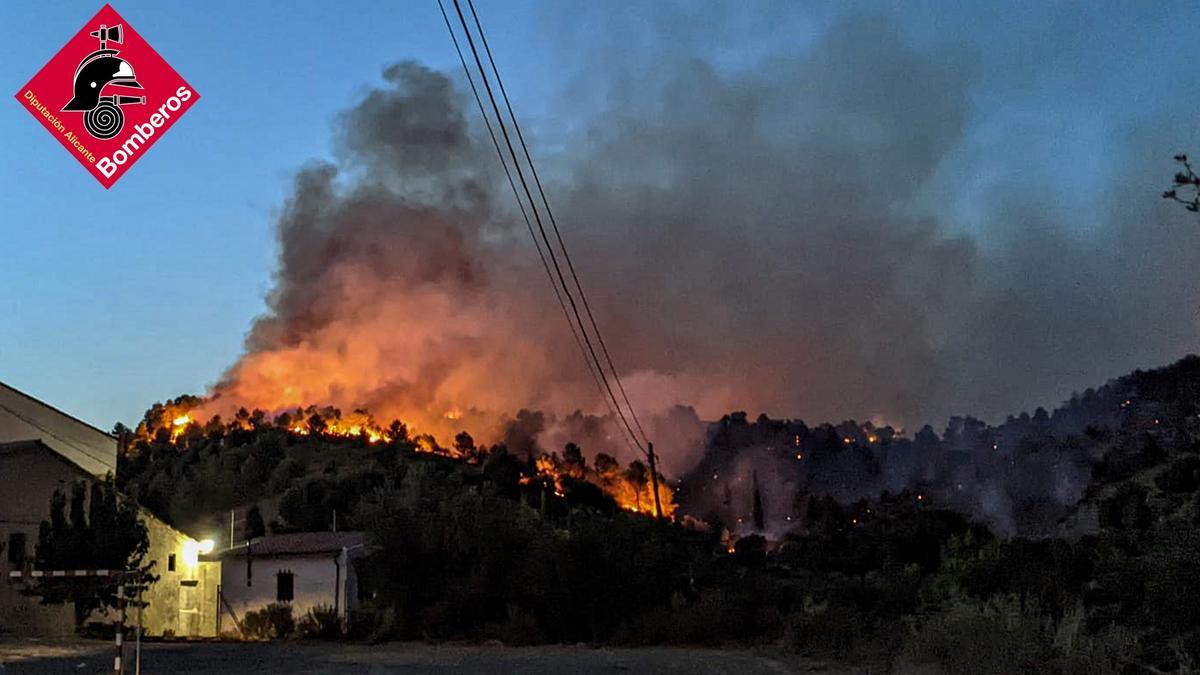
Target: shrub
[(362, 623), (996, 637), (269, 623), (98, 630), (320, 623), (715, 617), (521, 629), (284, 475), (1111, 651), (1181, 476)]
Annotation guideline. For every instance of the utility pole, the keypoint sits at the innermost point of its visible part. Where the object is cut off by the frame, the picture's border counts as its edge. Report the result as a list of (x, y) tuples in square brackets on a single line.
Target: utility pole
[(654, 479), (137, 659)]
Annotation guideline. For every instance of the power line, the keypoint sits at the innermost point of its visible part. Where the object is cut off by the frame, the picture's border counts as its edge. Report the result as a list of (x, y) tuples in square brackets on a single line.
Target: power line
[(592, 369), (541, 228), (553, 222)]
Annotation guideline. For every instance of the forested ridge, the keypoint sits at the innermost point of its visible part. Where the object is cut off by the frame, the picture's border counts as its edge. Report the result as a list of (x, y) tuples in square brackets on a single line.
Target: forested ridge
[(883, 551)]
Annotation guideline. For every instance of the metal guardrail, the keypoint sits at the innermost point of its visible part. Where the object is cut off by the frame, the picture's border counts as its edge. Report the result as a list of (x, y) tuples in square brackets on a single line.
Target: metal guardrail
[(120, 576)]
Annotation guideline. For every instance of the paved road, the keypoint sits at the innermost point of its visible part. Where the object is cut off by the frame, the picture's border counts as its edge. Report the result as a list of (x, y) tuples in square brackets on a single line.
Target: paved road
[(38, 656)]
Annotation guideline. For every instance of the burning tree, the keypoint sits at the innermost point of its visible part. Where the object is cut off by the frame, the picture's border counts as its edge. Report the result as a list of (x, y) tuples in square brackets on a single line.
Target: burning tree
[(257, 443)]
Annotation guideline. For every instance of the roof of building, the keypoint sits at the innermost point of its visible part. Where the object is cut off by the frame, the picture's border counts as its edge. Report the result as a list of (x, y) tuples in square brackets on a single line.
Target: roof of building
[(23, 417), (37, 445), (68, 415), (299, 543)]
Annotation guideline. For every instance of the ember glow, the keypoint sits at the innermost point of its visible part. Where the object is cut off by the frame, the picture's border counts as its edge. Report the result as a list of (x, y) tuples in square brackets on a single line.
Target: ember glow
[(179, 424), (631, 489), (179, 418), (641, 499), (175, 423), (408, 290)]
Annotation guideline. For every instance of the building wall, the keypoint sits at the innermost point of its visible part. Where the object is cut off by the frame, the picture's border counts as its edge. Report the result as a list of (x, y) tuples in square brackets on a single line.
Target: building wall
[(29, 475), (314, 583), (183, 602), (23, 418)]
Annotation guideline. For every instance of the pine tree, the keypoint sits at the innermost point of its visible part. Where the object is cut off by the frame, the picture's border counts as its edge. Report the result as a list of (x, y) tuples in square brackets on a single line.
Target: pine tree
[(255, 527)]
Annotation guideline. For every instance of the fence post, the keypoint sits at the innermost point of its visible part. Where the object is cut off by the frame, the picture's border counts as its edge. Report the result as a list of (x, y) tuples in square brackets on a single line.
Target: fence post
[(137, 663), (118, 667)]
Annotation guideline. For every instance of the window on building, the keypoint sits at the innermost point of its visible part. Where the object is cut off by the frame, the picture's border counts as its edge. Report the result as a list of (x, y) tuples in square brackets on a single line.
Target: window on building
[(171, 562), (285, 588), (16, 548)]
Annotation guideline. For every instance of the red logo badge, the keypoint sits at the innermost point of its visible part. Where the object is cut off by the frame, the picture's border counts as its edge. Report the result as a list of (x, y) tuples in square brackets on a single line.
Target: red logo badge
[(107, 96)]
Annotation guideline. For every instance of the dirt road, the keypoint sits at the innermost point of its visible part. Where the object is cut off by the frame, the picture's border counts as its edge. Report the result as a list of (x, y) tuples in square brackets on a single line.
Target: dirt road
[(41, 656)]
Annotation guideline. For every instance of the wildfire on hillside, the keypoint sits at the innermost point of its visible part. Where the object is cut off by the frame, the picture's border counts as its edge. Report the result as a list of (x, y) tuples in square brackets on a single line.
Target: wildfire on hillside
[(177, 419), (177, 423), (631, 489)]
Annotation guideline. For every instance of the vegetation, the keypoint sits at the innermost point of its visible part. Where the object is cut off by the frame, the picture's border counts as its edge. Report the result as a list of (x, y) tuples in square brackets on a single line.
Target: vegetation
[(97, 529), (285, 476), (320, 623), (1185, 187), (272, 622), (456, 560), (483, 545)]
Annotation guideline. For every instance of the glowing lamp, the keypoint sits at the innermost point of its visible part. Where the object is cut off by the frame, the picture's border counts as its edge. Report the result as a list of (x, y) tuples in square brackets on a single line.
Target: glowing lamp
[(192, 550), (191, 553)]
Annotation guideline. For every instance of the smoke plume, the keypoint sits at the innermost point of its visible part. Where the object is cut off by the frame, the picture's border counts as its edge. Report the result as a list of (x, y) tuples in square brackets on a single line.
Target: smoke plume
[(758, 239)]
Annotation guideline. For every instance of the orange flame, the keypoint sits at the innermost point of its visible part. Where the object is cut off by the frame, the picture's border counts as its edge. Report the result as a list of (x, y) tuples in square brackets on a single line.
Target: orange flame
[(631, 490)]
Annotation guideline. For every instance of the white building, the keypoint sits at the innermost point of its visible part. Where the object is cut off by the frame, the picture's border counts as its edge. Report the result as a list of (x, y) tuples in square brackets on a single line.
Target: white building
[(304, 570), (44, 450)]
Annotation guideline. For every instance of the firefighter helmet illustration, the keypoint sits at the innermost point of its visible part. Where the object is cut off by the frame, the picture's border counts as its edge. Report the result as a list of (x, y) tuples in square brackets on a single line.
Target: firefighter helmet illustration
[(102, 116)]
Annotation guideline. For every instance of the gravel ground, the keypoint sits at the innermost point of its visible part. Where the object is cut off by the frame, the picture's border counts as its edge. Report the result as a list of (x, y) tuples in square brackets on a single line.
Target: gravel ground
[(45, 656)]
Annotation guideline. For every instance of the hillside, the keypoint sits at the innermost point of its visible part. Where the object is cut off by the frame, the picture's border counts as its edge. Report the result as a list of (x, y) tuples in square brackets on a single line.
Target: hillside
[(1060, 541), (1036, 475), (303, 468)]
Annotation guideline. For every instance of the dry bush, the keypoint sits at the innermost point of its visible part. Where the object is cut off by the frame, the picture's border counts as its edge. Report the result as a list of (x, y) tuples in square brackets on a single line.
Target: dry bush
[(713, 619), (995, 637), (272, 622), (521, 628), (364, 622), (320, 623)]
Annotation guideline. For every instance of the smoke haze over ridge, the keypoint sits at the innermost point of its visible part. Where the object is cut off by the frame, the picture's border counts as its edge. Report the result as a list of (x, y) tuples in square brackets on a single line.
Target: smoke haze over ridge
[(784, 236)]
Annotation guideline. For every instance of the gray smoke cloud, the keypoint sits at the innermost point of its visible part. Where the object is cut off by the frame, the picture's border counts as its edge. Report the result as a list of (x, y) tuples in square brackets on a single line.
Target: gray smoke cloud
[(758, 238), (811, 226)]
